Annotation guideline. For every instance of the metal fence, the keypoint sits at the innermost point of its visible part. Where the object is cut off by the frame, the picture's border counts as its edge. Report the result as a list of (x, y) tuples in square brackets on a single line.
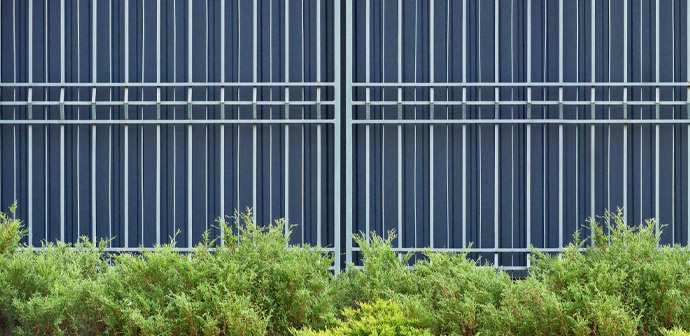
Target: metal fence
[(134, 120), (502, 123), (507, 123)]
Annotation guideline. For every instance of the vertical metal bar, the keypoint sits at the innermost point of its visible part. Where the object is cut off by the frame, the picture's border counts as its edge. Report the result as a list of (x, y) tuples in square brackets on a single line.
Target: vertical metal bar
[(189, 162), (158, 165), (126, 179), (141, 137), (367, 164), (625, 111), (512, 138), (318, 127), (302, 213), (449, 129), (14, 94), (337, 138), (479, 129), (464, 125), (641, 135), (673, 132), (77, 150), (447, 109), (62, 117), (30, 186), (414, 155), (45, 130), (577, 116), (254, 145), (222, 116), (237, 126), (189, 127), (560, 126), (348, 131), (431, 126), (254, 112), (318, 165), (528, 156), (593, 111), (608, 110), (657, 214), (367, 106), (400, 110), (110, 129), (158, 126), (62, 163), (287, 115), (94, 45), (222, 142), (30, 159), (687, 107), (270, 110), (383, 129), (174, 128), (496, 132), (287, 151), (544, 132), (126, 127), (93, 153), (206, 108)]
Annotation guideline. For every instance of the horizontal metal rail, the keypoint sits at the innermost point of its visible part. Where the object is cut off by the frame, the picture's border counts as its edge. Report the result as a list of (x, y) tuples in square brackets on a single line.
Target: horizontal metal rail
[(520, 103), (227, 103), (476, 249), (151, 249), (163, 121), (523, 121), (522, 84), (497, 267), (175, 84)]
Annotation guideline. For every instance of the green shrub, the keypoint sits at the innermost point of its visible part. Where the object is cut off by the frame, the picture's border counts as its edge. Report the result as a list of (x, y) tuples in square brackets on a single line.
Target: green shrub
[(167, 293), (527, 308), (11, 232), (255, 283), (52, 291), (382, 318), (675, 332), (289, 282), (624, 277), (384, 275), (446, 292), (455, 293)]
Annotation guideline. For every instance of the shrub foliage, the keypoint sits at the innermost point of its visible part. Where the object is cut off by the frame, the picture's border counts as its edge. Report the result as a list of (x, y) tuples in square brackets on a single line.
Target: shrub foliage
[(618, 281), (382, 318)]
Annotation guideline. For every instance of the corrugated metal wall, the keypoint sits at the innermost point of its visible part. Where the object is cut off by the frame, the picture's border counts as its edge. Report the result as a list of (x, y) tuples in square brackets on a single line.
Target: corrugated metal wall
[(500, 123), (507, 123), (135, 119)]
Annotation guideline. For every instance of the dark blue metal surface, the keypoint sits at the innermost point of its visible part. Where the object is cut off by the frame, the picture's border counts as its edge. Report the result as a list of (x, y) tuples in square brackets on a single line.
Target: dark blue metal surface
[(431, 166)]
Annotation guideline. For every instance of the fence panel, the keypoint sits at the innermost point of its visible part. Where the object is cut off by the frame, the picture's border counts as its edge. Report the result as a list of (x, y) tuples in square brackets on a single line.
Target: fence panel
[(138, 121), (501, 124), (505, 124)]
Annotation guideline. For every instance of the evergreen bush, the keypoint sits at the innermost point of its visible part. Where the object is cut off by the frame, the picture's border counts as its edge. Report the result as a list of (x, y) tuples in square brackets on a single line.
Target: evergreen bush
[(252, 282)]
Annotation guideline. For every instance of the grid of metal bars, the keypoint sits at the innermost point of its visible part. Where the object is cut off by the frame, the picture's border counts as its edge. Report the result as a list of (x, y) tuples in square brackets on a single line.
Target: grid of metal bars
[(137, 120), (501, 124), (505, 124)]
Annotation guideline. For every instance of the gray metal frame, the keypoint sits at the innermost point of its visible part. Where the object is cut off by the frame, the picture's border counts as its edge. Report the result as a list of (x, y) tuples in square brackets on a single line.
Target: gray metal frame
[(226, 98), (361, 119), (433, 122)]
